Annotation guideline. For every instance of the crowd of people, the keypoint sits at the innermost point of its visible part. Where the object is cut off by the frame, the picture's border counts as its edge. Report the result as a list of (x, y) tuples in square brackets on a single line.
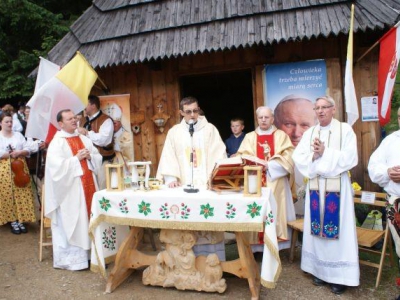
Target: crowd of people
[(305, 148)]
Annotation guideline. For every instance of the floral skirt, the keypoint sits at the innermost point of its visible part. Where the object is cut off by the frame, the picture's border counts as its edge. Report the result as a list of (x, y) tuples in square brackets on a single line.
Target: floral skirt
[(15, 203)]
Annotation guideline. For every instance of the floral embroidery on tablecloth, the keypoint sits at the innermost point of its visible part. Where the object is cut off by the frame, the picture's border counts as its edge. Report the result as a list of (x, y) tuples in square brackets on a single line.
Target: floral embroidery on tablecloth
[(206, 210), (230, 211), (109, 238), (185, 211), (164, 211), (144, 208), (253, 209), (270, 218), (123, 207), (104, 204)]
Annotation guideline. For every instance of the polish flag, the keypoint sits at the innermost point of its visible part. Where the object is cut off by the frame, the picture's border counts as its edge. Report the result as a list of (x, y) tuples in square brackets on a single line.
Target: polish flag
[(388, 61), (69, 88)]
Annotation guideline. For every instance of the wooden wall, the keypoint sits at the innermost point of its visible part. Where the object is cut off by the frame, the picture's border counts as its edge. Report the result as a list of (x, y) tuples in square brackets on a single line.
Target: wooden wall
[(158, 82)]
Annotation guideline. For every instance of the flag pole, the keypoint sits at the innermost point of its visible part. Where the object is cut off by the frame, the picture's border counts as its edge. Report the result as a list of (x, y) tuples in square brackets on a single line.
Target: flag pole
[(375, 44), (106, 90)]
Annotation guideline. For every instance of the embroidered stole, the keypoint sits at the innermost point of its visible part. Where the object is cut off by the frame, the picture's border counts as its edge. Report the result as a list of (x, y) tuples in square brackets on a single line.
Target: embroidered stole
[(89, 188), (265, 141), (325, 224)]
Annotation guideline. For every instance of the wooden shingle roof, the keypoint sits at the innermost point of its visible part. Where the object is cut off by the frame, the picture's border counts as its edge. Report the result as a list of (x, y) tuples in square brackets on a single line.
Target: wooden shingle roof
[(115, 32)]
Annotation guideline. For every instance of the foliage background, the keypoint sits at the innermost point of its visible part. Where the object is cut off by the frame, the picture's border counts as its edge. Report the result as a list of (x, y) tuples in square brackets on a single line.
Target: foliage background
[(29, 29)]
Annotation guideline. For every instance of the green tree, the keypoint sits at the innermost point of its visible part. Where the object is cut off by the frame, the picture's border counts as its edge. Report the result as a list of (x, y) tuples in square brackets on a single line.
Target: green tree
[(28, 29)]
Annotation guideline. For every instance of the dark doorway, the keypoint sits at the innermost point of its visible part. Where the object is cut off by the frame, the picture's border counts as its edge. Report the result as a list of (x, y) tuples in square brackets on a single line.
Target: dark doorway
[(222, 96)]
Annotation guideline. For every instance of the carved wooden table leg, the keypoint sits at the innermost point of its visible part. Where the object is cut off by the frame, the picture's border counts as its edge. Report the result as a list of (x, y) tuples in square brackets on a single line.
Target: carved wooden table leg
[(248, 263), (122, 268)]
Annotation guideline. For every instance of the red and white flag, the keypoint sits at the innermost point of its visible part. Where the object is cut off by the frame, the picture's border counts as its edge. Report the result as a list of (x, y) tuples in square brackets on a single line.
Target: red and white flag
[(388, 61)]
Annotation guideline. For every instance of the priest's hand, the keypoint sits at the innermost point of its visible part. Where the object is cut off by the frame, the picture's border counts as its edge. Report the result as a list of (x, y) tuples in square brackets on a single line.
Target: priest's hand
[(174, 184), (83, 154), (318, 148), (394, 173), (82, 130)]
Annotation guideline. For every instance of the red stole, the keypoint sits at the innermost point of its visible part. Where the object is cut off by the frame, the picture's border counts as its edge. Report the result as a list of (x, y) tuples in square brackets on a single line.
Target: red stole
[(264, 141), (89, 188)]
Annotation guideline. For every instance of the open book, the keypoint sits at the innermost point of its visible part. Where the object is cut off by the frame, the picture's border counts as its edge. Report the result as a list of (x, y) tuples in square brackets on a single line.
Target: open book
[(228, 173), (250, 160)]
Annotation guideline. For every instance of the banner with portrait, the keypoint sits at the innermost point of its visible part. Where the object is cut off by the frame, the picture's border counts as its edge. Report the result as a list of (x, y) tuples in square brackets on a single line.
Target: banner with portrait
[(118, 108), (306, 79)]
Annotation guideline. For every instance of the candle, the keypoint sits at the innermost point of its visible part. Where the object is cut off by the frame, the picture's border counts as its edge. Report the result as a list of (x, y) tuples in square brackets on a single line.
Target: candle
[(252, 182), (114, 179)]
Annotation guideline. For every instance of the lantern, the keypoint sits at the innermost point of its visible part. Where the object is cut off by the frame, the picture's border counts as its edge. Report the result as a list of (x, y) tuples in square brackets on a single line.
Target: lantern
[(252, 181), (114, 177)]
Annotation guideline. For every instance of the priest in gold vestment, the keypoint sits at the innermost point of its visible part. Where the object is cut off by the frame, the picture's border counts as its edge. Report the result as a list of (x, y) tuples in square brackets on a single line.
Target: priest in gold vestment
[(272, 144)]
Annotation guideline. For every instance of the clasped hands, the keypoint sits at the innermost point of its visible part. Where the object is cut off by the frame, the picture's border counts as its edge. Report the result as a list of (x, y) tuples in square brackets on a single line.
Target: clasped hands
[(83, 154), (394, 173), (318, 148)]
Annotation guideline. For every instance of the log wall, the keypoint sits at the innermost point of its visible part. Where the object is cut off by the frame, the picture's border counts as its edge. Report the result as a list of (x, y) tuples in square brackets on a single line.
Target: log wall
[(155, 83)]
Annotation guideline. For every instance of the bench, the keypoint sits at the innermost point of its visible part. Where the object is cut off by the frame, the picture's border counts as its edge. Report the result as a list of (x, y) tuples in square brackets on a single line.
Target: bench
[(367, 238)]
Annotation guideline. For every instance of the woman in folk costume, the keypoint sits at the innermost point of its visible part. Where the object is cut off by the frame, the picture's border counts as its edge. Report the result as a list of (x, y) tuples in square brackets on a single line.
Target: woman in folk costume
[(16, 197), (325, 154), (273, 145)]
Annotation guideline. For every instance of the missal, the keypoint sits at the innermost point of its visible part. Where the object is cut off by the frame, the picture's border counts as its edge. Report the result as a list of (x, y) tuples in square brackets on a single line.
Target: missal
[(228, 173)]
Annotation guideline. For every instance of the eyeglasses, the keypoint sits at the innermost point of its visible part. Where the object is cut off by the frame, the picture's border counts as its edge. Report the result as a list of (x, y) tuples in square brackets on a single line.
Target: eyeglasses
[(325, 107), (189, 112)]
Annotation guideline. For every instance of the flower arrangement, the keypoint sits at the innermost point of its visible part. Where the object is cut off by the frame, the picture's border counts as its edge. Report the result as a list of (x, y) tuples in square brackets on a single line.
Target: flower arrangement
[(356, 186)]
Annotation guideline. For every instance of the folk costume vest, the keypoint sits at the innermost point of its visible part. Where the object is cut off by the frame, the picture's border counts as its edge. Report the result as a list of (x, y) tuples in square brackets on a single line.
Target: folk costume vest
[(325, 222), (107, 152), (89, 188)]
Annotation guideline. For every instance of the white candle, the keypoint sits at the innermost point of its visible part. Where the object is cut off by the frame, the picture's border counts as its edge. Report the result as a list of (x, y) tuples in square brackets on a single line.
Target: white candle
[(114, 179), (252, 183)]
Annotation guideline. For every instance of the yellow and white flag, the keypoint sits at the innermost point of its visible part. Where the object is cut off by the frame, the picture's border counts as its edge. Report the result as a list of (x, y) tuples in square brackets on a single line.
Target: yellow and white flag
[(349, 89), (68, 89)]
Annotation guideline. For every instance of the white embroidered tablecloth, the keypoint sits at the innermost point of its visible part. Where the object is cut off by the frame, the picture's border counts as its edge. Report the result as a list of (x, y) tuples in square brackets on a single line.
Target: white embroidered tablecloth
[(112, 212)]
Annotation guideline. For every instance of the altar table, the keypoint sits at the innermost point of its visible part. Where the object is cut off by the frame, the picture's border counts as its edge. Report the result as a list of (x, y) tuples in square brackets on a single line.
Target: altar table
[(113, 212)]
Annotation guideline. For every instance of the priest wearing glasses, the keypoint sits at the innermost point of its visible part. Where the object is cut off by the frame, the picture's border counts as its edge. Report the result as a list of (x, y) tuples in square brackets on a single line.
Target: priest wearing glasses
[(325, 154)]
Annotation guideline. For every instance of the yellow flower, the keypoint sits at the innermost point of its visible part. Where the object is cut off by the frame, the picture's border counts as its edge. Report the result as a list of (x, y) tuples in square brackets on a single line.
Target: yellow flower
[(305, 180), (356, 186)]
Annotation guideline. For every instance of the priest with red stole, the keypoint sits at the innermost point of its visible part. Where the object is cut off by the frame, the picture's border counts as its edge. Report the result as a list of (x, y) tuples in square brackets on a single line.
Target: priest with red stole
[(72, 164), (273, 145)]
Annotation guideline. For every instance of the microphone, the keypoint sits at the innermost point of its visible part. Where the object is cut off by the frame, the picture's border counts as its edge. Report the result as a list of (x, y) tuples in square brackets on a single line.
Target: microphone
[(191, 128)]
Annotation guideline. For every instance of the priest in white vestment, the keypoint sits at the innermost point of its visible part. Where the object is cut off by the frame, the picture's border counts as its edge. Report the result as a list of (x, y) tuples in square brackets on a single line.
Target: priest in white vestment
[(195, 137), (384, 169), (71, 165), (279, 172), (325, 154)]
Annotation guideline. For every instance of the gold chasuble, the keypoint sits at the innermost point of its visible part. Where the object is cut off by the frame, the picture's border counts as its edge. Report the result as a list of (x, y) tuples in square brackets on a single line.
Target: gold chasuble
[(89, 188), (281, 150)]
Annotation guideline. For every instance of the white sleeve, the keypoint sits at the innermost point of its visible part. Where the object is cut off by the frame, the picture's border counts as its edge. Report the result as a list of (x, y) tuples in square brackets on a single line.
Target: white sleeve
[(105, 134)]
